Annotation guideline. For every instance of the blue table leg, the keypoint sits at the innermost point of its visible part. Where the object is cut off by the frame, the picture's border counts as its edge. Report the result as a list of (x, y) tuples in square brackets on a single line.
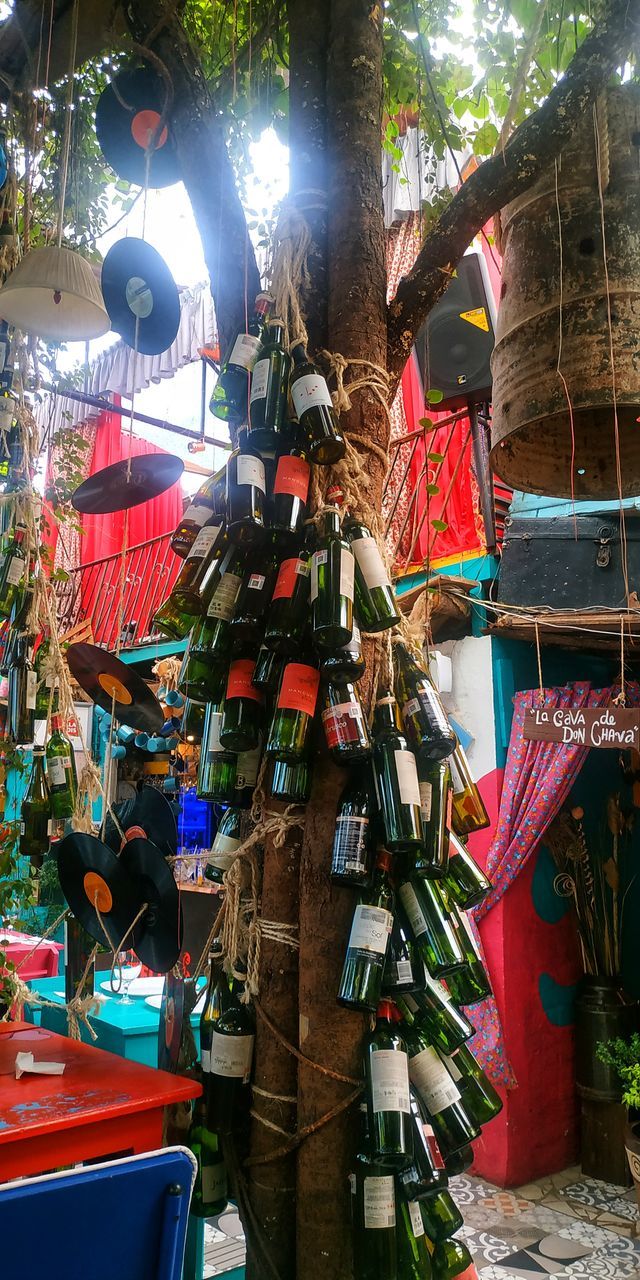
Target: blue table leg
[(194, 1250)]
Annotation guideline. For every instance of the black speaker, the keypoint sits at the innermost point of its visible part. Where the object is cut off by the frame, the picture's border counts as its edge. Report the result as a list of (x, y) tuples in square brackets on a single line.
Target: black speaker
[(455, 343)]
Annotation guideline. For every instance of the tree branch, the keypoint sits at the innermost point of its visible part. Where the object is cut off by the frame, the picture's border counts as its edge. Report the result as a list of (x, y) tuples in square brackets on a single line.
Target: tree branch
[(533, 145)]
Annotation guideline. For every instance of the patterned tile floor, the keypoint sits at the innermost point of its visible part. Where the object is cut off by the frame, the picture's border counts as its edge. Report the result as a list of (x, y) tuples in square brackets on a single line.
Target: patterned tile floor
[(561, 1227)]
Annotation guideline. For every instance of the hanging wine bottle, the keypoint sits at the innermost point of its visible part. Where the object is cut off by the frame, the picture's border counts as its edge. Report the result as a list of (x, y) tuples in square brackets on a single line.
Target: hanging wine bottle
[(216, 1001), (254, 598), (469, 812), (376, 606), (470, 984), (387, 1090), (428, 731), (12, 571), (466, 883), (268, 672), (353, 837), (47, 690), (202, 673), (451, 1260), (348, 661), (78, 947), (232, 1041), (205, 505), (219, 603), (248, 766), (434, 780), (403, 970), (242, 717), (332, 568), (479, 1098), (436, 1016), (430, 926), (396, 779), (414, 1259), (246, 489), (459, 1161), (373, 1214), (314, 410), (289, 735), (23, 685), (344, 722), (290, 783), (452, 1126), (269, 389), (230, 399), (217, 768), (62, 776), (35, 812), (289, 609), (226, 843), (441, 1216), (210, 1189), (207, 550), (171, 621), (361, 981), (427, 1174), (290, 490)]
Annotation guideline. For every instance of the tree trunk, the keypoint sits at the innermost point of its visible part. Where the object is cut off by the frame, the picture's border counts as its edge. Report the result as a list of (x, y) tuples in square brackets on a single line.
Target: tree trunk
[(308, 42)]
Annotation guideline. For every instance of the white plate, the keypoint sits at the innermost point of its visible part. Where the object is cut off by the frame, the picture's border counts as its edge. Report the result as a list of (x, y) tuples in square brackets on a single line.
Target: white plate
[(139, 987), (155, 1002)]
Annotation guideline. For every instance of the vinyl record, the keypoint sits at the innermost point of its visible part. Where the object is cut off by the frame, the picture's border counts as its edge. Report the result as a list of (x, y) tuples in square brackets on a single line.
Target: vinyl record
[(90, 873), (148, 815), (127, 117), (171, 1017), (157, 938), (102, 675), (118, 487), (137, 285)]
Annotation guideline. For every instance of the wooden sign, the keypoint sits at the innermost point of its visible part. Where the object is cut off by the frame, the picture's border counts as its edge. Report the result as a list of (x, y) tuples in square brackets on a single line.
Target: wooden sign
[(617, 727)]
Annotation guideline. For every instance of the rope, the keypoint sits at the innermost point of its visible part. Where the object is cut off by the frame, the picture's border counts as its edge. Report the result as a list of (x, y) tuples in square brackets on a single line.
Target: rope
[(301, 1135), (290, 274), (307, 1062)]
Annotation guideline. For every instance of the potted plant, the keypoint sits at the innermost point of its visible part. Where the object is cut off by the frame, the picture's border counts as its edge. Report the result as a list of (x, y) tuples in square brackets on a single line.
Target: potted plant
[(624, 1057)]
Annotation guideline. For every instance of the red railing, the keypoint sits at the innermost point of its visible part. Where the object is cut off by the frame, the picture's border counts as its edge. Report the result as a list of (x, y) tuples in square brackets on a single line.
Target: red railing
[(92, 592)]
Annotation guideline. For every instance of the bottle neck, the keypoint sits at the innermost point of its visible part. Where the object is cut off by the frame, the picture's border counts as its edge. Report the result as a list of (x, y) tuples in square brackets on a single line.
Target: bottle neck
[(274, 336), (331, 523), (385, 716), (299, 354)]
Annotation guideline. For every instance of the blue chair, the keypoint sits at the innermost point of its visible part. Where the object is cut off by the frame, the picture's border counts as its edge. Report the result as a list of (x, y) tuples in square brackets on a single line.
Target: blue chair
[(119, 1220)]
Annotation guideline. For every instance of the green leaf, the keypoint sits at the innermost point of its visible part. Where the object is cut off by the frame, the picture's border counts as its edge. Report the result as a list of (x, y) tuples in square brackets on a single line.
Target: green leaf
[(435, 457), (434, 396), (433, 490), (440, 526), (485, 139), (426, 422)]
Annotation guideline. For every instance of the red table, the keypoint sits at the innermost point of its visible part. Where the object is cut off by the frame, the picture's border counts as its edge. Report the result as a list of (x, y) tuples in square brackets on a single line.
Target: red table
[(43, 963), (101, 1105)]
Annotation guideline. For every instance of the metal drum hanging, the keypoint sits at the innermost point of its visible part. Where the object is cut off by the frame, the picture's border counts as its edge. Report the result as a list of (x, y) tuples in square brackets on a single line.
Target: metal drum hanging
[(548, 318)]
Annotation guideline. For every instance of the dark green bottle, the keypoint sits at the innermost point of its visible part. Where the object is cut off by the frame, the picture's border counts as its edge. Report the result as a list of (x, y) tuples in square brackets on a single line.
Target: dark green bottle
[(13, 571), (332, 569), (35, 812), (438, 1093), (428, 731), (436, 1016), (290, 491), (203, 508), (465, 881), (61, 771), (210, 1189), (202, 670), (403, 971), (314, 410), (376, 605), (344, 721), (217, 1000), (414, 1260), (387, 1090), (361, 981), (353, 839), (451, 1259), (248, 768), (243, 714), (219, 606), (23, 686), (246, 491), (348, 661), (230, 399), (231, 1057), (171, 621), (459, 1161), (290, 783), (254, 598), (430, 926), (441, 1216), (396, 779), (470, 984), (427, 1174), (289, 609), (266, 676), (206, 552), (479, 1098), (226, 843), (289, 735), (373, 1215), (434, 779), (217, 768), (269, 389)]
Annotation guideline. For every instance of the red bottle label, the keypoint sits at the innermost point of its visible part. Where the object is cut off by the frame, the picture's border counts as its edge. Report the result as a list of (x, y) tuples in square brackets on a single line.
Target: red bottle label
[(286, 580), (436, 1154), (343, 724), (239, 680), (299, 688), (292, 477)]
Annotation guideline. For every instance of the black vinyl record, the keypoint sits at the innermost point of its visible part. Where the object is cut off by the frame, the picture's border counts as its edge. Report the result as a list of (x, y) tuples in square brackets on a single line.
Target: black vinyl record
[(102, 676), (150, 816), (171, 1018), (137, 286), (89, 872), (157, 937), (121, 486), (128, 113)]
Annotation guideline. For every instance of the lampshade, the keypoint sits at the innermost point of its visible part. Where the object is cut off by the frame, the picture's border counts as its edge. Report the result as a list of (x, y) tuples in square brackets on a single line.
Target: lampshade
[(54, 294)]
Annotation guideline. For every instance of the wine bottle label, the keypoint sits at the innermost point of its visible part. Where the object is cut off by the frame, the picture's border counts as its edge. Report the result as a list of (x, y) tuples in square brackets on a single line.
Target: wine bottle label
[(343, 724), (31, 690), (413, 909), (308, 391), (347, 570), (196, 514), (247, 768), (204, 541), (318, 558), (223, 601), (15, 572), (223, 851), (56, 770), (231, 1056), (256, 582), (432, 1081), (379, 1202), (288, 574), (239, 680), (205, 1059), (452, 1067), (370, 931), (417, 1225), (350, 845), (432, 1143), (299, 688), (244, 351), (370, 562), (390, 1081), (214, 744), (250, 470), (437, 988), (352, 1183), (214, 1182), (426, 796), (410, 708), (292, 477), (401, 971), (259, 380), (407, 775)]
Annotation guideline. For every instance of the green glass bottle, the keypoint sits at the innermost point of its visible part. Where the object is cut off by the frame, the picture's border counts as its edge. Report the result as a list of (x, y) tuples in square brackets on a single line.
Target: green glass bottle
[(442, 1217), (171, 621), (361, 981), (206, 550), (219, 602), (428, 731), (21, 699), (396, 779), (451, 1260), (470, 984), (230, 399), (465, 881), (459, 1161), (269, 389), (289, 735), (226, 843), (387, 1090), (373, 1215), (427, 1174), (78, 945), (314, 410), (46, 692), (216, 1001), (35, 812), (344, 722), (436, 1016), (479, 1098), (430, 926), (376, 605), (243, 714), (290, 783), (202, 672), (347, 662), (217, 768), (268, 672), (62, 776), (332, 569), (434, 780), (414, 1259), (469, 811), (246, 491), (193, 721), (290, 491), (353, 839), (210, 1189), (248, 768), (403, 970), (288, 612), (231, 1051), (438, 1093), (254, 597), (203, 508), (12, 571)]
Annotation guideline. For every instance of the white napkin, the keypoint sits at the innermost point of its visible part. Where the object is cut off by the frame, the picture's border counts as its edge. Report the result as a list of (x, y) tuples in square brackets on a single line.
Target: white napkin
[(26, 1062)]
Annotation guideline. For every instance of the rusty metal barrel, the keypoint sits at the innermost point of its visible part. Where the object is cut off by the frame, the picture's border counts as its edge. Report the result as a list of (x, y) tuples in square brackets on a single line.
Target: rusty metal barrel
[(564, 305)]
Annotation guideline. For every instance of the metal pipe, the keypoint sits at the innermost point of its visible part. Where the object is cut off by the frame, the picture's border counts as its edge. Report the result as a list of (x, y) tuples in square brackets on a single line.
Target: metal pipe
[(96, 403)]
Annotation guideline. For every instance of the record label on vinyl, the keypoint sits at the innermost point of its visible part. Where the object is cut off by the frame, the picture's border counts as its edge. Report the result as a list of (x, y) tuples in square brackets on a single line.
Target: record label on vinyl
[(128, 114)]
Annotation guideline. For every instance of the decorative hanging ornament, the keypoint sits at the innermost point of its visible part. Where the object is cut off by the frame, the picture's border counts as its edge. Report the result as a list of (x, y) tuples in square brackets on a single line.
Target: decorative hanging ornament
[(157, 938), (108, 681), (128, 113), (140, 295), (127, 483), (53, 293)]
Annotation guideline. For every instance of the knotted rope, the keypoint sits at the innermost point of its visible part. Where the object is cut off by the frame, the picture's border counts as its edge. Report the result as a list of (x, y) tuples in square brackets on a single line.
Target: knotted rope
[(289, 272)]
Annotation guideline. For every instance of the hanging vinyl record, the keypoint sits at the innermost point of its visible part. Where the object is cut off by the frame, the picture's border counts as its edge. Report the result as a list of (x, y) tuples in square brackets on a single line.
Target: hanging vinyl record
[(104, 677), (93, 880), (150, 816), (171, 1018), (139, 291), (128, 113), (127, 483), (157, 937)]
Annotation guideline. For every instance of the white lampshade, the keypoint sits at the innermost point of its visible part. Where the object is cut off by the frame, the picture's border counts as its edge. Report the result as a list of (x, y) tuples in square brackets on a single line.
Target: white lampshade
[(54, 294)]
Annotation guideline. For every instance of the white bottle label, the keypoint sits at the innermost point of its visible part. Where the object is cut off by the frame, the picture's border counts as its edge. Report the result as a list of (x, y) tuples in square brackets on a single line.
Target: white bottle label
[(390, 1080), (410, 708), (231, 1056), (205, 1058), (205, 540), (197, 514), (256, 582), (417, 1225), (250, 470), (223, 851), (407, 775), (437, 987), (426, 797), (402, 971), (432, 1081), (318, 558), (413, 909), (370, 563), (350, 844), (452, 1067), (379, 1202), (347, 569), (247, 767), (308, 391), (259, 380), (56, 770), (32, 689), (244, 351), (15, 572), (213, 741), (223, 602), (214, 1183), (370, 929)]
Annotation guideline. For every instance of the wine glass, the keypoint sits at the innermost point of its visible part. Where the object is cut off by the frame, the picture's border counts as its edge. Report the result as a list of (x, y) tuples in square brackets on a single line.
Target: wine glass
[(129, 967)]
